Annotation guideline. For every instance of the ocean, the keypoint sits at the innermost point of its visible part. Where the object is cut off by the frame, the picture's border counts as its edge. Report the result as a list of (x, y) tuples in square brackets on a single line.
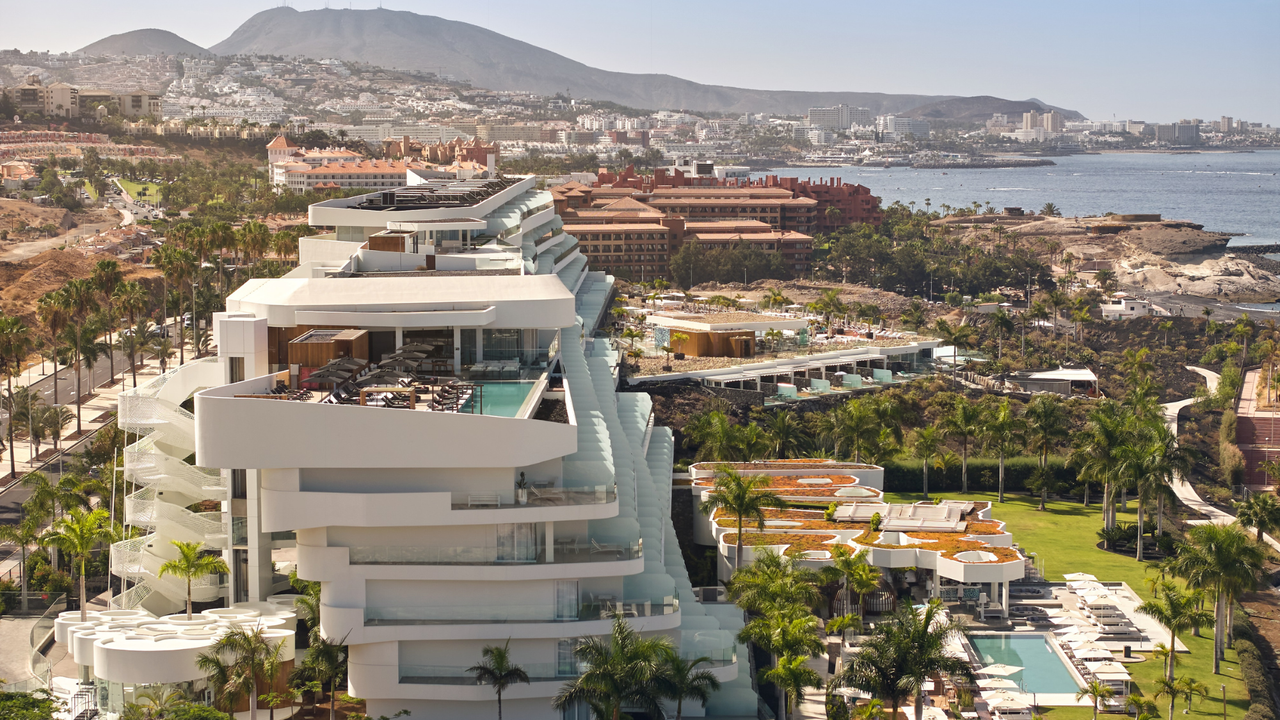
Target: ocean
[(1225, 192)]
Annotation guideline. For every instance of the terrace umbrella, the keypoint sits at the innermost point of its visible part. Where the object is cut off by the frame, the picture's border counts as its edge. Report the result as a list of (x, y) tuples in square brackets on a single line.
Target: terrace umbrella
[(328, 375), (998, 669), (418, 347), (1081, 576), (407, 355), (398, 363), (1078, 645), (344, 362), (1094, 654), (1109, 667), (383, 377), (997, 683), (1006, 701)]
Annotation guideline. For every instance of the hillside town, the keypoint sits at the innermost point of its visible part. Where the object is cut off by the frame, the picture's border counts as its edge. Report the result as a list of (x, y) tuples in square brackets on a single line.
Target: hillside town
[(338, 391)]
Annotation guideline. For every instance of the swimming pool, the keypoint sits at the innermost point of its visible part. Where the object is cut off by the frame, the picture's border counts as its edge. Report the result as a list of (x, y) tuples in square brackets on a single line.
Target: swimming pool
[(1044, 670), (504, 398)]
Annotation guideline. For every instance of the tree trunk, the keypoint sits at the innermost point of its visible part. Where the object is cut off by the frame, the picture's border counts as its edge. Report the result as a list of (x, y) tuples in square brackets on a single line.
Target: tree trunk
[(1218, 627), (79, 386), (964, 467), (737, 558), (925, 466), (919, 704), (188, 598), (84, 609), (253, 701), (1173, 641), (24, 578), (13, 461), (1140, 509), (1001, 475)]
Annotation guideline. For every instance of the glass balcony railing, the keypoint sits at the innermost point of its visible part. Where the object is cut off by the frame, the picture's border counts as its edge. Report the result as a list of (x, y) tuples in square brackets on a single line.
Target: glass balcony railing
[(544, 497), (722, 655), (595, 609), (566, 550)]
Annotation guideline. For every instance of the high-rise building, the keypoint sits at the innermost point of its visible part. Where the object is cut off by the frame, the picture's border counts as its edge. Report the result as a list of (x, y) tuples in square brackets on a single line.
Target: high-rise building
[(893, 128), (419, 416), (839, 118), (1053, 121), (1031, 120), (1225, 124)]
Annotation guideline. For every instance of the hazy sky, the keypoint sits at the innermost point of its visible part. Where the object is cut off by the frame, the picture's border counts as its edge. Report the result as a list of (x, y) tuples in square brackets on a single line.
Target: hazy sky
[(1138, 59)]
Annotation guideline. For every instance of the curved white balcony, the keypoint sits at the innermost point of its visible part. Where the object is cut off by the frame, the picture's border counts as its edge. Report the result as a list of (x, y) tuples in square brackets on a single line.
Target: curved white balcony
[(494, 622), (287, 510), (357, 564)]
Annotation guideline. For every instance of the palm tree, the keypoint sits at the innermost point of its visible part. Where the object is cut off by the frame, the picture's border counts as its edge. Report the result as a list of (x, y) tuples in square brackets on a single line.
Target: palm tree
[(15, 344), (1178, 611), (77, 535), (1224, 560), (52, 311), (1002, 326), (680, 679), (623, 670), (162, 349), (926, 443), (53, 498), (964, 422), (786, 436), (1260, 511), (132, 300), (861, 578), (959, 337), (251, 658), (773, 298), (496, 670), (744, 497), (773, 581), (1097, 690), (1135, 363), (715, 436), (1188, 687), (255, 238), (192, 564), (23, 534), (79, 300), (791, 675), (106, 278), (785, 629), (1046, 425), (901, 654), (1003, 432)]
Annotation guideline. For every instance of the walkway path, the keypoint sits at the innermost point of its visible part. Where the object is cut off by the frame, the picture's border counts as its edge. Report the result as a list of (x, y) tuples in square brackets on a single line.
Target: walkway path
[(814, 705), (1183, 489)]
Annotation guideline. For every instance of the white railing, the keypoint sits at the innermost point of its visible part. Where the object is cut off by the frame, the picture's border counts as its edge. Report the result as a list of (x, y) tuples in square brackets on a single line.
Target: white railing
[(131, 598)]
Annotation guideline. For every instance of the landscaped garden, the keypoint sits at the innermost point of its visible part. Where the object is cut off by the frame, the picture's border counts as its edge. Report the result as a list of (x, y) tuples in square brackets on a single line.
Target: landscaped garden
[(1065, 538)]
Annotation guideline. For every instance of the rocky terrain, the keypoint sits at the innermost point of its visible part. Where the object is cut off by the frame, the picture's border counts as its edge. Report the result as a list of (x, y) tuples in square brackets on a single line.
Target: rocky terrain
[(1170, 256), (22, 283)]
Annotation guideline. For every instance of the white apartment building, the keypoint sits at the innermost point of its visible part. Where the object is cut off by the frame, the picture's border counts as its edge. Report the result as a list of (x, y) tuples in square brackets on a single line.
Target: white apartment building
[(894, 129), (840, 118), (485, 485)]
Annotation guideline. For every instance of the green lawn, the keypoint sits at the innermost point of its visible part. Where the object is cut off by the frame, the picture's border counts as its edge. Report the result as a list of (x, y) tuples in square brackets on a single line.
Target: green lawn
[(1064, 536), (135, 190)]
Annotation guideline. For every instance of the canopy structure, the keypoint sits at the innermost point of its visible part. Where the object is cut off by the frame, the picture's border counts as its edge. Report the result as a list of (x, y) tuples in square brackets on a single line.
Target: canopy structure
[(1080, 576), (998, 669)]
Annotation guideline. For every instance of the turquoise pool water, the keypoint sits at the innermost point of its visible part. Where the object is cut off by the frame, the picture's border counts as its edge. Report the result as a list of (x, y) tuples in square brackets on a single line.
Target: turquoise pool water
[(1044, 671), (504, 398)]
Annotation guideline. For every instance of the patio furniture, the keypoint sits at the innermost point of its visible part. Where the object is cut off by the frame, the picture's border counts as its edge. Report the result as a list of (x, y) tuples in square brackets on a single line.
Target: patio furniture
[(548, 496), (484, 500), (597, 547)]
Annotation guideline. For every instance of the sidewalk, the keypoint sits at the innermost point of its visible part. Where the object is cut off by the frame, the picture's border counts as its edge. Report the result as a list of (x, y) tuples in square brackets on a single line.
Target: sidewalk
[(1187, 494)]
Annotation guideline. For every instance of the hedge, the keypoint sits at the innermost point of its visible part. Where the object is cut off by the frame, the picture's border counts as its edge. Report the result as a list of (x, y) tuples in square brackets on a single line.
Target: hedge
[(1253, 669), (904, 474)]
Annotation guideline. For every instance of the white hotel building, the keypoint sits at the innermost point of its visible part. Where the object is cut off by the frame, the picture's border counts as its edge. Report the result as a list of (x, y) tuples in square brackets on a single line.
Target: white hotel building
[(527, 502)]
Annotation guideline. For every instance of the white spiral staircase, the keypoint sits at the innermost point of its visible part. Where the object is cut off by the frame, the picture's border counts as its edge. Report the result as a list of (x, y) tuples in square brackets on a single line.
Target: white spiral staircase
[(166, 486)]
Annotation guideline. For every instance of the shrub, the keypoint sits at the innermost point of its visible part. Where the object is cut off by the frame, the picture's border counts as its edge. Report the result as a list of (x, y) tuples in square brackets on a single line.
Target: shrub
[(837, 625), (837, 707), (904, 475), (830, 513), (1231, 464), (1227, 428), (875, 522)]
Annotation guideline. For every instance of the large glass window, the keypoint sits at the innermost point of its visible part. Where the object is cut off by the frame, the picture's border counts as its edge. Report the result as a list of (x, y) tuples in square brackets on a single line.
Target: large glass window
[(502, 344), (517, 543)]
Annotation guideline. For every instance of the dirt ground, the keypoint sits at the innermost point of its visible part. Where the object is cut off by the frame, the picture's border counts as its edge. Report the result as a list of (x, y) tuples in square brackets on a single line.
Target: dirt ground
[(15, 212), (806, 291), (22, 283)]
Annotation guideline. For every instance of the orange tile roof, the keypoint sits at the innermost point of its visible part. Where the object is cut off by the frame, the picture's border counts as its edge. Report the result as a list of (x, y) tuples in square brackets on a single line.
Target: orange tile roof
[(280, 141), (614, 228), (362, 167)]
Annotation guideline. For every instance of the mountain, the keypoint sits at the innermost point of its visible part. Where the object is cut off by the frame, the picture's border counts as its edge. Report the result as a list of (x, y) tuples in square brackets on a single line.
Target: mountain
[(405, 40), (150, 41), (981, 107)]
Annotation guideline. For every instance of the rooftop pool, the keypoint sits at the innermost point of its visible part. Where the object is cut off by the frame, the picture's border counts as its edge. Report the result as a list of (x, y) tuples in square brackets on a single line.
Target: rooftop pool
[(503, 399), (1043, 668)]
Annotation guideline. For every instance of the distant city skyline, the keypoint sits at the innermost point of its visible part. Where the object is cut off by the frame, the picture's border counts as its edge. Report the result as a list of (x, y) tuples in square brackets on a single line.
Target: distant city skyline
[(1132, 60)]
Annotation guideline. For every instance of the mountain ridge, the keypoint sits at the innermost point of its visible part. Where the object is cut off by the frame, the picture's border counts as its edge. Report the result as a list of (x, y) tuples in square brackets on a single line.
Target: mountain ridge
[(487, 59), (144, 41)]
